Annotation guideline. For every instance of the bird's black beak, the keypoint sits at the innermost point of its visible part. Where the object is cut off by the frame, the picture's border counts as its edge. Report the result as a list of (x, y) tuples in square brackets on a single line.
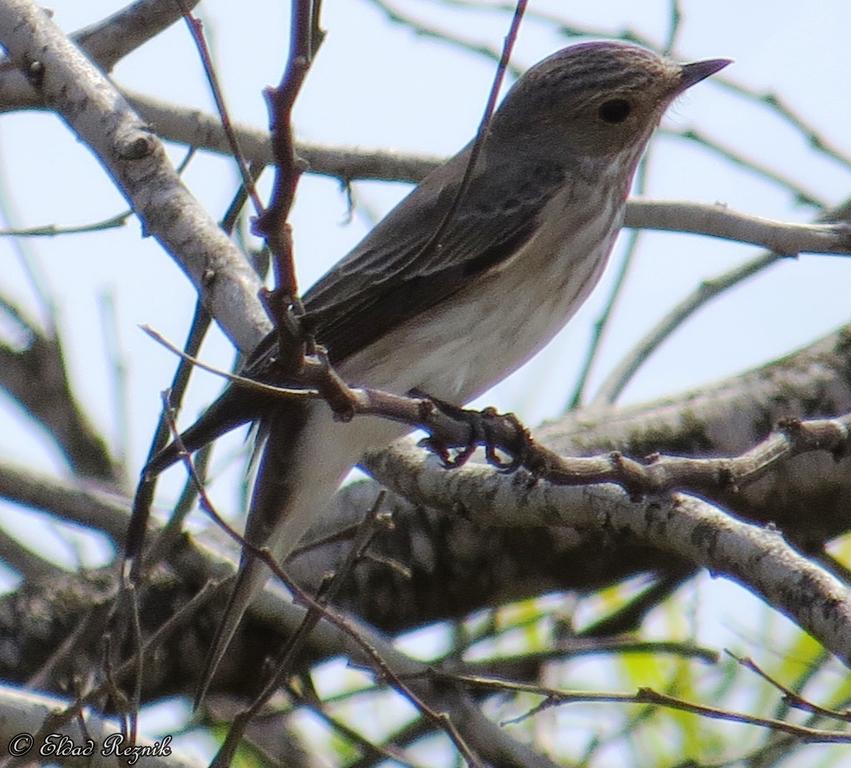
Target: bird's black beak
[(700, 70)]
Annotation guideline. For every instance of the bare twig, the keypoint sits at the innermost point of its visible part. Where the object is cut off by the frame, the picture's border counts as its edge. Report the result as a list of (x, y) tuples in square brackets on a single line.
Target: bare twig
[(556, 697), (776, 104), (28, 712), (371, 752), (481, 133), (790, 698), (197, 32), (287, 658), (780, 237), (446, 36), (675, 27), (110, 40), (767, 99), (198, 330), (316, 610), (118, 377), (621, 375), (54, 230), (271, 224), (749, 164), (59, 719), (106, 42)]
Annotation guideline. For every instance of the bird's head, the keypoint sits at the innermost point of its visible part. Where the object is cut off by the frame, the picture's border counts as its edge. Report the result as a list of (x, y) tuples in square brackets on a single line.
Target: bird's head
[(593, 100)]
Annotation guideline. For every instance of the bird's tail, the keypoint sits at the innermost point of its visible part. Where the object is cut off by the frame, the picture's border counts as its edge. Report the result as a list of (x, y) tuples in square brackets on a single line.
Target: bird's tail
[(250, 580), (305, 456)]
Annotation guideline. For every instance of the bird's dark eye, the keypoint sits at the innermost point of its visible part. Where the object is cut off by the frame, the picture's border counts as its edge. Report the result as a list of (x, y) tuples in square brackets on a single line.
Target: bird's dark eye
[(614, 110)]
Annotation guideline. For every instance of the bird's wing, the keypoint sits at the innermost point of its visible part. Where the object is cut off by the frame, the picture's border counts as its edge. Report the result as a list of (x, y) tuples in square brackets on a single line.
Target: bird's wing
[(396, 273)]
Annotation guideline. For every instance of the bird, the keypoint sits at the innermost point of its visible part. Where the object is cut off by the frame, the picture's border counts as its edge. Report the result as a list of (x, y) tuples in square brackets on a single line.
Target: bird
[(515, 256)]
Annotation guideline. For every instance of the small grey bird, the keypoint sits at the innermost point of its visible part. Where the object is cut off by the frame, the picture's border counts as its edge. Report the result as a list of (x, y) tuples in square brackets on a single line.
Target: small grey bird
[(524, 248)]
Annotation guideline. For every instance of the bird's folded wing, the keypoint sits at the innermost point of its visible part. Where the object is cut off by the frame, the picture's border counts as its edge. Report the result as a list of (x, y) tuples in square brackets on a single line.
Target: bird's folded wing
[(397, 273)]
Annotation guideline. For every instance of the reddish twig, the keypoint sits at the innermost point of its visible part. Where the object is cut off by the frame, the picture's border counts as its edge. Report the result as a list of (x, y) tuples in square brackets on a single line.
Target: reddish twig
[(271, 224)]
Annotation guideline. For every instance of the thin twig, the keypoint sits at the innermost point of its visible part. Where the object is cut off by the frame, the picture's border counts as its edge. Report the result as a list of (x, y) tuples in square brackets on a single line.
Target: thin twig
[(371, 752), (478, 142), (776, 104), (767, 99), (749, 164), (226, 753), (54, 230), (791, 698), (445, 36), (91, 699), (676, 17), (287, 658), (271, 224), (201, 322), (114, 351), (196, 31), (557, 697)]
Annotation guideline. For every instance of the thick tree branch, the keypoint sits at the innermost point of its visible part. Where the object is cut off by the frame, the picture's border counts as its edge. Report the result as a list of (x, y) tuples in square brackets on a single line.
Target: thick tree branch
[(110, 40), (176, 123), (23, 560), (638, 475), (67, 81), (489, 564), (682, 525), (75, 501), (34, 373)]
